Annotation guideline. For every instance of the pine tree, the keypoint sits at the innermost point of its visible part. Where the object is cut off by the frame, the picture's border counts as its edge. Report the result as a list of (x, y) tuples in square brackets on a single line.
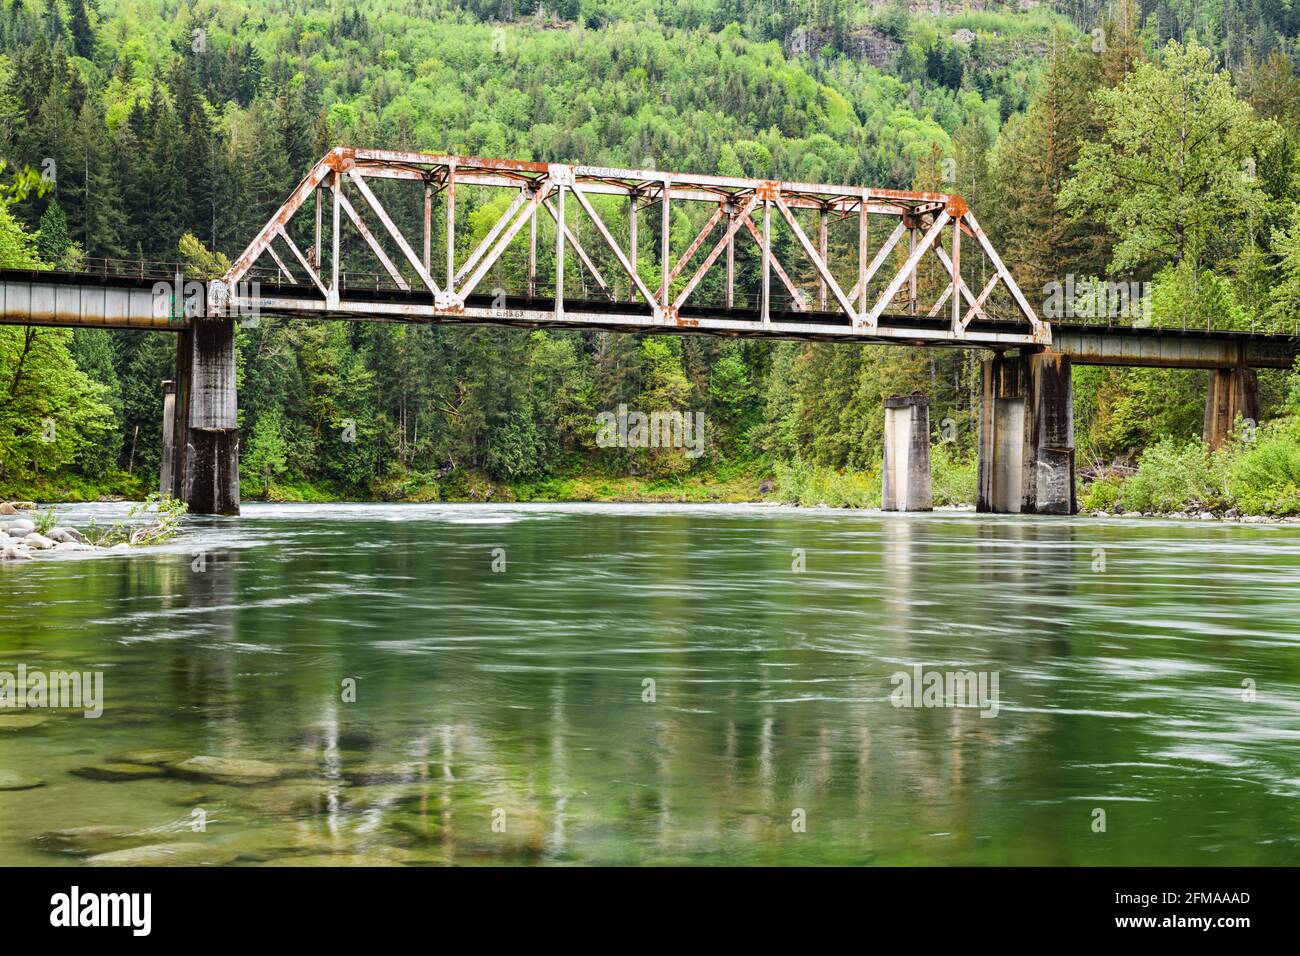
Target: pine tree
[(83, 37), (52, 241), (100, 226)]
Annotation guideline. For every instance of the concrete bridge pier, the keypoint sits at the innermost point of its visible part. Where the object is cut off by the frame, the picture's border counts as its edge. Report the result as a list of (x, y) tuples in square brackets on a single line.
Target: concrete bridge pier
[(166, 469), (205, 462), (1231, 392), (1026, 442), (906, 472)]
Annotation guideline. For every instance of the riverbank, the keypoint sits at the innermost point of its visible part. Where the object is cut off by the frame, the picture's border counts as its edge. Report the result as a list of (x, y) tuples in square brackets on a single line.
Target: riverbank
[(1256, 477), (27, 530)]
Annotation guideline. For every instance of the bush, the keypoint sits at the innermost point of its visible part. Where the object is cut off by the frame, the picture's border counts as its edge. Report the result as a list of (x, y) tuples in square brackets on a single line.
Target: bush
[(1263, 474), (800, 483), (1103, 493), (954, 481), (46, 520), (1173, 477)]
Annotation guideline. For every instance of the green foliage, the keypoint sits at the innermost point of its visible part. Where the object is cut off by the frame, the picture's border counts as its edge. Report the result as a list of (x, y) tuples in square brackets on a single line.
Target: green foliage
[(165, 512), (1183, 297), (801, 483), (17, 245), (49, 409), (198, 261), (53, 241), (46, 520), (1257, 472), (1171, 173), (1284, 295), (954, 479), (265, 456), (163, 519), (1263, 473), (1120, 411), (1175, 477), (1102, 494)]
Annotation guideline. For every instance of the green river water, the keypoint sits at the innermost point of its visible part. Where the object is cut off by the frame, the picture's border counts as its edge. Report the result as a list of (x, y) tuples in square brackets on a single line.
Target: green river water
[(660, 685)]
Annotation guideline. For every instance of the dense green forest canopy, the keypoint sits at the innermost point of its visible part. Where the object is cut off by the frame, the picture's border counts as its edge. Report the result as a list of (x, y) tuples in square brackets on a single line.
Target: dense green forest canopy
[(165, 130)]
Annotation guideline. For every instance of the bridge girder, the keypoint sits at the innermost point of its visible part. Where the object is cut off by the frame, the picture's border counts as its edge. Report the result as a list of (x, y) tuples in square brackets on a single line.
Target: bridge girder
[(345, 179)]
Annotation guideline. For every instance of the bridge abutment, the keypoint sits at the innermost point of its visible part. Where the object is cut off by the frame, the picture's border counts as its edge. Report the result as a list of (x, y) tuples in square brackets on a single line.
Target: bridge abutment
[(205, 427), (1231, 392), (1026, 441), (906, 472)]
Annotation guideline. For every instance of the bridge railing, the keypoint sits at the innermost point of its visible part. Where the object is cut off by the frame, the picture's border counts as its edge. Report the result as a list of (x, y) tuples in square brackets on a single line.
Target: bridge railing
[(142, 269), (1251, 325)]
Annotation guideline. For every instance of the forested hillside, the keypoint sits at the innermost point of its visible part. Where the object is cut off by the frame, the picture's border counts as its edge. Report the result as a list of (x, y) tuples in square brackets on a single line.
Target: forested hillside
[(172, 130)]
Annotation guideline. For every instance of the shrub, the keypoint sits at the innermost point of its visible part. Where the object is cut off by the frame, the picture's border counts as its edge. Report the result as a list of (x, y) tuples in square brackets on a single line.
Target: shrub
[(1263, 474), (46, 520), (1173, 477), (1103, 493), (954, 481), (800, 483)]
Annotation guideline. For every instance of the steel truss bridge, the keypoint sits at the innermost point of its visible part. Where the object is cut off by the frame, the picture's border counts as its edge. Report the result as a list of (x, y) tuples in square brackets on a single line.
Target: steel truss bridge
[(871, 255), (872, 297)]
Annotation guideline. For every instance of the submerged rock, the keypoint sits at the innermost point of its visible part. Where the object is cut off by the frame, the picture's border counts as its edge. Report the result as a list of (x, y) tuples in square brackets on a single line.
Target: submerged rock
[(166, 854), (231, 770), (427, 828), (118, 772), (287, 799), (93, 840), (154, 758), (10, 780), (22, 721), (14, 553)]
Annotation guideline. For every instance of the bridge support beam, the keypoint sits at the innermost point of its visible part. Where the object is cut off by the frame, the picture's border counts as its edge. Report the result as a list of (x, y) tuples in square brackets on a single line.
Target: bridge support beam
[(205, 465), (1026, 442), (1231, 392), (906, 472)]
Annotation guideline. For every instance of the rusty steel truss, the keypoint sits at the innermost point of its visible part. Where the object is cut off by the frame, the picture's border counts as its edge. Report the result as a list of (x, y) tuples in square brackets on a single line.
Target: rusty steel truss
[(872, 295)]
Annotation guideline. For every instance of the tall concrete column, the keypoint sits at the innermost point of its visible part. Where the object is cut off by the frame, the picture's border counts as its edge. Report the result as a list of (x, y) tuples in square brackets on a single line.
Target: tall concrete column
[(180, 410), (206, 463), (1231, 392), (1026, 444), (166, 472), (906, 472)]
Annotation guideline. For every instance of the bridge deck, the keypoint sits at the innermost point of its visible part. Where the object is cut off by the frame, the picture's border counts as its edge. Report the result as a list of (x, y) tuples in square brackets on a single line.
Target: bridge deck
[(128, 302)]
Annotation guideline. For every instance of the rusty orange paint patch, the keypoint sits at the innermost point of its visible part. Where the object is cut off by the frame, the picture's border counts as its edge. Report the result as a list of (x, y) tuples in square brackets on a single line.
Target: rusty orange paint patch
[(341, 159)]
